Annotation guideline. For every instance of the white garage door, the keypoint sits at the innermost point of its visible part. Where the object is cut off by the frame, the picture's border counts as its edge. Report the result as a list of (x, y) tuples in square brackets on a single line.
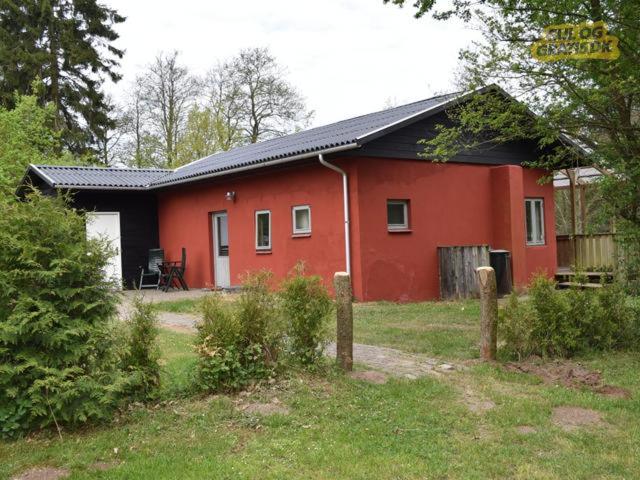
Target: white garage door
[(106, 225)]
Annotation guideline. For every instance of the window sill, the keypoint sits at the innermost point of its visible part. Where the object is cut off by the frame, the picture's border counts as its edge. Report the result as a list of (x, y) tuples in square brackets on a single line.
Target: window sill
[(399, 230), (536, 244), (301, 235), (263, 252)]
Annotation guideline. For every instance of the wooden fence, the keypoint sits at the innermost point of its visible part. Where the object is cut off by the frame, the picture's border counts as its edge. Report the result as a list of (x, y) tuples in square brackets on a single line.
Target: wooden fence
[(457, 267), (593, 252)]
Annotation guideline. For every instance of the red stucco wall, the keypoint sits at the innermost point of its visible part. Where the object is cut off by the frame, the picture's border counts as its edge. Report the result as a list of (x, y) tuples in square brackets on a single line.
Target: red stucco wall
[(541, 258), (450, 204), (185, 212), (507, 217)]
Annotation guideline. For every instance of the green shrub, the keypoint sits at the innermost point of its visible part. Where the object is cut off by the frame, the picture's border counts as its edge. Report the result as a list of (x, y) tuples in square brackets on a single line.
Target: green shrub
[(231, 353), (619, 324), (59, 361), (552, 332), (229, 369), (306, 306), (515, 327), (218, 321), (259, 316), (562, 323), (142, 352)]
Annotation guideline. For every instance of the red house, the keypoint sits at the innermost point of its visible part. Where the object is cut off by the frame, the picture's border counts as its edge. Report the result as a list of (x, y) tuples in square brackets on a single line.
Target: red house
[(354, 195)]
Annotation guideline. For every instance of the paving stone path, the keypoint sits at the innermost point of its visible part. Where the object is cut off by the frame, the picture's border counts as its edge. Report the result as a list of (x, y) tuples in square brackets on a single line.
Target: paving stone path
[(389, 360), (176, 321)]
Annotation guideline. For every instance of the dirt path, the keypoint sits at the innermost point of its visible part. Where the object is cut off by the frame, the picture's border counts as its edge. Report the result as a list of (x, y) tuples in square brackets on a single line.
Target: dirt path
[(395, 362)]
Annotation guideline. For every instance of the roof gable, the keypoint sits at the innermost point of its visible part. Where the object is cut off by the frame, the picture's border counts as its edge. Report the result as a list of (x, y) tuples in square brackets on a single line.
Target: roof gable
[(405, 143)]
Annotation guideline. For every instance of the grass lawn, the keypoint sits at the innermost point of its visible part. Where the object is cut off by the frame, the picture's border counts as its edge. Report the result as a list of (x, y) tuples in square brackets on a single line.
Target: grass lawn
[(449, 330), (186, 305), (338, 427)]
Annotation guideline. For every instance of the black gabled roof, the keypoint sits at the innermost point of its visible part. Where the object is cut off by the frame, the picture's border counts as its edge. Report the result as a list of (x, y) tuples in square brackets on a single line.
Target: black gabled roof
[(98, 177), (344, 135)]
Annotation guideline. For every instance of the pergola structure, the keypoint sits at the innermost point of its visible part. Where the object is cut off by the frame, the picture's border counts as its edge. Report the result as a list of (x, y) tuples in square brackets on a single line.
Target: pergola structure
[(582, 248)]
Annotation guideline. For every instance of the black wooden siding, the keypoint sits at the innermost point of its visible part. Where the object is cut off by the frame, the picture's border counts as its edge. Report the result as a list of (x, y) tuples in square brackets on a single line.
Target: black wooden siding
[(403, 143), (138, 224)]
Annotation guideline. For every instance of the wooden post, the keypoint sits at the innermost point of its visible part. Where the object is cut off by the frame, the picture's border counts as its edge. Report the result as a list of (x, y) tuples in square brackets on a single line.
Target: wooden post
[(488, 313), (344, 316), (571, 173), (583, 208)]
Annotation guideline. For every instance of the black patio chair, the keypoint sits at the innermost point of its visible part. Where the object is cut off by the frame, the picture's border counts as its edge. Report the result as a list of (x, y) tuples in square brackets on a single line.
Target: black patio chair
[(174, 272), (156, 258)]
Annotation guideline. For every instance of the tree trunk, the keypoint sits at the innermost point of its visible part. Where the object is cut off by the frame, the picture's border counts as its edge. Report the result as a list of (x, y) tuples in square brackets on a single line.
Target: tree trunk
[(344, 315), (488, 313), (55, 70)]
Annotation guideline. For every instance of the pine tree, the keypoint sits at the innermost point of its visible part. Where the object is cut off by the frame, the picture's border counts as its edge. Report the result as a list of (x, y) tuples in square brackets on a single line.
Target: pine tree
[(68, 45)]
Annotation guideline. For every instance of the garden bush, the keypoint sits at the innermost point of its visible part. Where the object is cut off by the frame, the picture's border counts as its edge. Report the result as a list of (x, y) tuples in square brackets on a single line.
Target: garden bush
[(241, 342), (558, 323), (59, 356), (620, 318), (516, 326), (217, 345), (306, 306), (554, 332), (238, 343), (142, 352), (259, 316)]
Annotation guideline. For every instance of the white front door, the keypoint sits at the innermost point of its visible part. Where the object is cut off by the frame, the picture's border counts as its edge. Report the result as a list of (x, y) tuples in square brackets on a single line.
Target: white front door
[(106, 225), (221, 250)]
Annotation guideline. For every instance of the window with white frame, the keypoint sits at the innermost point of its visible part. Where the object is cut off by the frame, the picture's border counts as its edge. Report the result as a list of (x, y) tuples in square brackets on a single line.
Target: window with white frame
[(263, 230), (534, 215), (397, 214), (301, 218)]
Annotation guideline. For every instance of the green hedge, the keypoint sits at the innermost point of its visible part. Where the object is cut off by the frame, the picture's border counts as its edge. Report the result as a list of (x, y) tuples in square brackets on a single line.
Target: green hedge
[(559, 323)]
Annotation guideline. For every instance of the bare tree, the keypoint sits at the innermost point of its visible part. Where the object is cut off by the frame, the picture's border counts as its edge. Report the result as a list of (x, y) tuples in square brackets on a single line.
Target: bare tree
[(108, 138), (257, 100), (135, 119), (225, 102), (140, 146), (168, 90)]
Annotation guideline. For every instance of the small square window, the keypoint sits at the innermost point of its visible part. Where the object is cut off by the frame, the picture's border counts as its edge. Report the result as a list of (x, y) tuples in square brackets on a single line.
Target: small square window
[(397, 214), (263, 230), (534, 219), (301, 217)]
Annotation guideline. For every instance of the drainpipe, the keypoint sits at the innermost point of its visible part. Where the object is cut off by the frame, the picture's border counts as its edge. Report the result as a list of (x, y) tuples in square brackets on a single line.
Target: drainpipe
[(345, 198)]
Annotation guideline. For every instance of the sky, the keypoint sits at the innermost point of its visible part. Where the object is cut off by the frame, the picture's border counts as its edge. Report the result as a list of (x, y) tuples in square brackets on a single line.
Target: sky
[(346, 57)]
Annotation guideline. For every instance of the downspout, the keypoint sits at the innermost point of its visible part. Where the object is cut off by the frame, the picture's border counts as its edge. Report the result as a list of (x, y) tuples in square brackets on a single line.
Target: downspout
[(345, 198)]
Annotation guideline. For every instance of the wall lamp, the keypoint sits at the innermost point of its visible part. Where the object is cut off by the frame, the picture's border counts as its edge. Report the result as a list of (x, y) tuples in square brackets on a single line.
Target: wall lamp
[(230, 196)]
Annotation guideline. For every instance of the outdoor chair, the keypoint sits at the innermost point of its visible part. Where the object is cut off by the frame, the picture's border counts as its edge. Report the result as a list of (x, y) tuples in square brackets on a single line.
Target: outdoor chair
[(173, 272), (156, 258)]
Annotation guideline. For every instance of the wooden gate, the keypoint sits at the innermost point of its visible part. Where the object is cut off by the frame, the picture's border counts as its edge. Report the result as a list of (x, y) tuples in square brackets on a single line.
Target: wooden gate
[(457, 267)]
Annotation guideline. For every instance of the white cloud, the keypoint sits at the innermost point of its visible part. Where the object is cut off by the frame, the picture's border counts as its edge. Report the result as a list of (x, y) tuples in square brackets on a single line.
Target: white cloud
[(347, 57)]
